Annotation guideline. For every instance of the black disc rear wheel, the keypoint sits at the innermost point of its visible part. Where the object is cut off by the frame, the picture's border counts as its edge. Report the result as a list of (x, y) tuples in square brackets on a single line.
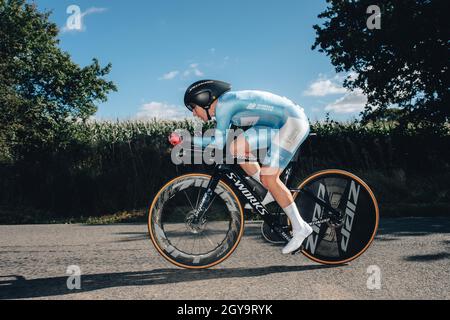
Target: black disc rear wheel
[(345, 237)]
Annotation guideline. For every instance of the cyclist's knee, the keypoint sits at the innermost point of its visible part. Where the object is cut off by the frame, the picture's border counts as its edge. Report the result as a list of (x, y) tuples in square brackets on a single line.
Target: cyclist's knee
[(269, 181)]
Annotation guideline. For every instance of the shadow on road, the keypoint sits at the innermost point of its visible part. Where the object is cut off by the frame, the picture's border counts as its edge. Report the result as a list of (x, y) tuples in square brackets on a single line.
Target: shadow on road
[(17, 287), (429, 257), (390, 230), (395, 229), (251, 230), (412, 227)]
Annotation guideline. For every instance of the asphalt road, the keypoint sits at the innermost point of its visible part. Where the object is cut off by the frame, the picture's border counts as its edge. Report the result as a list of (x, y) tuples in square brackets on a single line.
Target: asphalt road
[(119, 262)]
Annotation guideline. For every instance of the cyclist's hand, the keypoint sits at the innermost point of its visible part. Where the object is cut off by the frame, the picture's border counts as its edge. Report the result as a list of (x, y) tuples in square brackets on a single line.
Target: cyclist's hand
[(175, 139)]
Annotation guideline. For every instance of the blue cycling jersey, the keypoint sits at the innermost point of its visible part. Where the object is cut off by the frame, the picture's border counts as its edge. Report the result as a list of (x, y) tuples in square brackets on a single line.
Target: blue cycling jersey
[(286, 121)]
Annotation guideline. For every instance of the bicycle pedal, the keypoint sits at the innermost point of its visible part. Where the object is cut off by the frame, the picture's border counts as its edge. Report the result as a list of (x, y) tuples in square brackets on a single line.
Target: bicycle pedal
[(299, 250)]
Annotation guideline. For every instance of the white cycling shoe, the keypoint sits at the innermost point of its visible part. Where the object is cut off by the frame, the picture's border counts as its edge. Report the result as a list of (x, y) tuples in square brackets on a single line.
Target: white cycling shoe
[(297, 239)]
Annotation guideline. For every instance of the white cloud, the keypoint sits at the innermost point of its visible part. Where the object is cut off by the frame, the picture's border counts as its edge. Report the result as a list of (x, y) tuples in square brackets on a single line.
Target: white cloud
[(323, 87), (161, 110), (170, 75), (351, 102), (193, 69), (198, 73), (93, 10), (83, 14)]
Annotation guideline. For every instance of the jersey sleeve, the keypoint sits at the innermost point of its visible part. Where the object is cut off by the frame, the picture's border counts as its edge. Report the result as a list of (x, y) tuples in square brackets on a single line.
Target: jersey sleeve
[(223, 119), (203, 142)]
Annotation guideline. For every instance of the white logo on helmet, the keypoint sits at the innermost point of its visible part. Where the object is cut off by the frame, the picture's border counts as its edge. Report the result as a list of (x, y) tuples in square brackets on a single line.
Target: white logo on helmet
[(200, 84)]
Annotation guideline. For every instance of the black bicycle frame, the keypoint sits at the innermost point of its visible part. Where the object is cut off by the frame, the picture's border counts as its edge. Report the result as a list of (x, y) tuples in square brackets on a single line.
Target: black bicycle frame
[(239, 183)]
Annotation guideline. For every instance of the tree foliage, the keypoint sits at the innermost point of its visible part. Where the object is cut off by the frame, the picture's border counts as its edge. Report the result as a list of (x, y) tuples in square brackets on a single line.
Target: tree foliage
[(42, 91), (404, 64)]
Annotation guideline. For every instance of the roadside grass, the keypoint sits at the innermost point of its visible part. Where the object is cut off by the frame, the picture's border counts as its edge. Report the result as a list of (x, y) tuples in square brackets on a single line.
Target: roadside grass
[(134, 216)]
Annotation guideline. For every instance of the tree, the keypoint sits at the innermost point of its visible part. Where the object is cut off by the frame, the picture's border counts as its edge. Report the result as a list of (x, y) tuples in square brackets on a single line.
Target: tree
[(404, 64), (42, 92)]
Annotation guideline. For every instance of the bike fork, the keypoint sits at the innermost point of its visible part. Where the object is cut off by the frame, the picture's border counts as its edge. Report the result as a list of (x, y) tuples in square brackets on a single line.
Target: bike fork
[(207, 197)]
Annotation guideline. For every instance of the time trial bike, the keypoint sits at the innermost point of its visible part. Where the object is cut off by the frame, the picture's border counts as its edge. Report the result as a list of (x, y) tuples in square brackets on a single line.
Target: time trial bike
[(197, 220)]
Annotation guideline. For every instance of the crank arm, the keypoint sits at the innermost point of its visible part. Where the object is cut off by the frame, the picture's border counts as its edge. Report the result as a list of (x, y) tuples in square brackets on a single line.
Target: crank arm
[(320, 221), (299, 250), (276, 227)]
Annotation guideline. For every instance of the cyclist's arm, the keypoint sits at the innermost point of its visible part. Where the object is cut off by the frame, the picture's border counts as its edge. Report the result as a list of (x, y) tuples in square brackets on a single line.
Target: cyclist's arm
[(220, 134), (203, 142)]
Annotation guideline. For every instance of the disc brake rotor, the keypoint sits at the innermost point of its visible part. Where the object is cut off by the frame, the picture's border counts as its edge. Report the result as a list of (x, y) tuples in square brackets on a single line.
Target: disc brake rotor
[(195, 227)]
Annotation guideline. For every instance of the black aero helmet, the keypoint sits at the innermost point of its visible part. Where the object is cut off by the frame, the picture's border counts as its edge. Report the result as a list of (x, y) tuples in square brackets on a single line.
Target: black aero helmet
[(203, 93)]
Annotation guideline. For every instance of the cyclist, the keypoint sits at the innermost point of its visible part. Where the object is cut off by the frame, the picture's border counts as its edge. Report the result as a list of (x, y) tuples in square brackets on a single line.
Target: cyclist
[(275, 122)]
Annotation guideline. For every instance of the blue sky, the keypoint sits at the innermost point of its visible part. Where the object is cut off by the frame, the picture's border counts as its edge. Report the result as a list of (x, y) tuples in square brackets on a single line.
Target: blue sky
[(157, 48)]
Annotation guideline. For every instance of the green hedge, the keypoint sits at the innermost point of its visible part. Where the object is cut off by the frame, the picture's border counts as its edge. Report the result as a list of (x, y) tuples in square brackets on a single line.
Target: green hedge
[(105, 168)]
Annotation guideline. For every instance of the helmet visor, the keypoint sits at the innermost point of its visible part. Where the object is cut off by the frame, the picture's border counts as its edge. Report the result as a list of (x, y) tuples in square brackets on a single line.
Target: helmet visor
[(203, 99)]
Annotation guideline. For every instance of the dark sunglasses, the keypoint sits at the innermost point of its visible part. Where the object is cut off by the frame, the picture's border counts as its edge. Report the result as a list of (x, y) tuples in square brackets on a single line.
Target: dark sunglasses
[(202, 99)]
